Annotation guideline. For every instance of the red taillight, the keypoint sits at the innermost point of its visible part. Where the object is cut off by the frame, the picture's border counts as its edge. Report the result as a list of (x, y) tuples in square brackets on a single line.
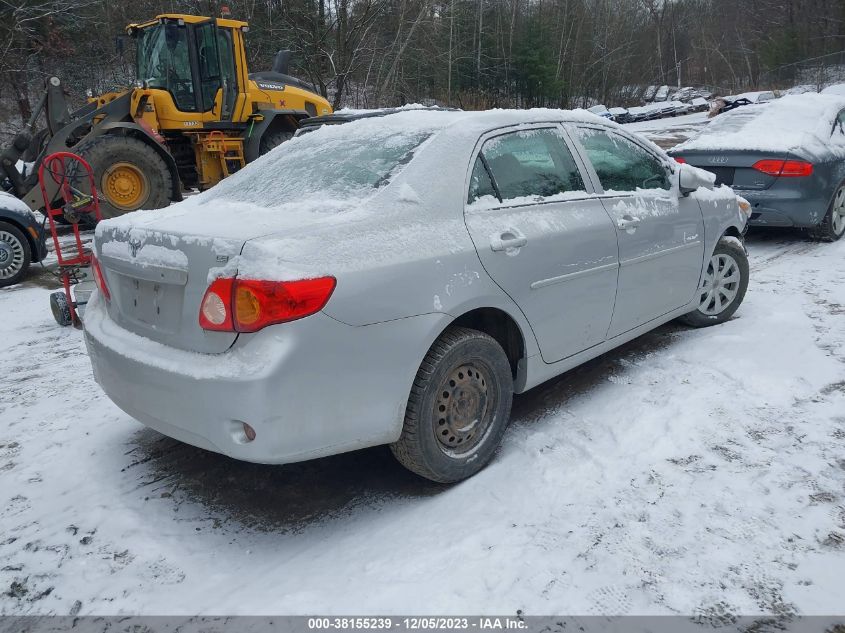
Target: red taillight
[(99, 279), (679, 159), (784, 168), (248, 305)]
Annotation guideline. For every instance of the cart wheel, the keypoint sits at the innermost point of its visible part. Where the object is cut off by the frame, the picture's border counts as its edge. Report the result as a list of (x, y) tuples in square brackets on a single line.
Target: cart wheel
[(61, 308)]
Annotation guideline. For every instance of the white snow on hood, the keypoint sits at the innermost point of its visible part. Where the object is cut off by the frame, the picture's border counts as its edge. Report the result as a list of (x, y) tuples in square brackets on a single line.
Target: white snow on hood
[(800, 124), (8, 201)]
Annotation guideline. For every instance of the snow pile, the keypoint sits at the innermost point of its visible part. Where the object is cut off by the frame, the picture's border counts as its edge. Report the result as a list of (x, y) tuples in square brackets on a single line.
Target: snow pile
[(800, 124)]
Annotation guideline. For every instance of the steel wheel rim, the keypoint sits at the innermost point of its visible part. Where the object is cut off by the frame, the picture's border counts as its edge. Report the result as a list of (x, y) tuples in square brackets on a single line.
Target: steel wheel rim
[(126, 186), (720, 285), (11, 255), (837, 219), (463, 409)]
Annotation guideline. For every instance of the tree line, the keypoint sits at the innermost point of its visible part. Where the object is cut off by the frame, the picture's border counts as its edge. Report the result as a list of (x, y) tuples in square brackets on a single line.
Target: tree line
[(462, 53)]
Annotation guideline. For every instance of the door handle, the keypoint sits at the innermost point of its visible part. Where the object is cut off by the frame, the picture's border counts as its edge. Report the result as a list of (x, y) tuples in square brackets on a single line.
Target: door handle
[(508, 239), (628, 223)]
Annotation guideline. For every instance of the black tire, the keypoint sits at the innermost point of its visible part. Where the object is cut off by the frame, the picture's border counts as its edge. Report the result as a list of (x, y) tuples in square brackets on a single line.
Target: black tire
[(60, 308), (465, 374), (271, 140), (726, 248), (106, 152), (15, 254), (832, 228)]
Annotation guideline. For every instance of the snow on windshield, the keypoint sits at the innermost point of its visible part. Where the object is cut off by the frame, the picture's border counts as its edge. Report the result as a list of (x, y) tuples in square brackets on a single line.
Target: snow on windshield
[(330, 162)]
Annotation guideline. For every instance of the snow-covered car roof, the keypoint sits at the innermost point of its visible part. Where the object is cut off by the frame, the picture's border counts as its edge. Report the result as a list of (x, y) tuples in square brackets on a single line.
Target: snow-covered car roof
[(800, 124), (334, 170)]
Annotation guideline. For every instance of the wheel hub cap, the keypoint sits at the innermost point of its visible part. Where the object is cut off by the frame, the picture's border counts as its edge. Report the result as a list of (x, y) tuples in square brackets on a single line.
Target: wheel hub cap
[(838, 213), (11, 255), (125, 186), (720, 285), (462, 408)]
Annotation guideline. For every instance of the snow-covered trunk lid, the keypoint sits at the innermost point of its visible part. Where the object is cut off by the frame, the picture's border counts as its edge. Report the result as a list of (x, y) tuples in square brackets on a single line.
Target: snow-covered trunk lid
[(157, 281)]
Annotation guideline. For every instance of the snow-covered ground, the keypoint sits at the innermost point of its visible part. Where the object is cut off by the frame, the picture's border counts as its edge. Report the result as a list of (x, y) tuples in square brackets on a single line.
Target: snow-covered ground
[(691, 472)]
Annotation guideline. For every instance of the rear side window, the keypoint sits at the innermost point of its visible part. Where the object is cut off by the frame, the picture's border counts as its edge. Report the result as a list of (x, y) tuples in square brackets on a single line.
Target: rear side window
[(622, 165), (531, 163)]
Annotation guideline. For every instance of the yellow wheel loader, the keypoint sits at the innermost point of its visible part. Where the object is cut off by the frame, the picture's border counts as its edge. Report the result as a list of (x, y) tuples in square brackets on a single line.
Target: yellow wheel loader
[(195, 115)]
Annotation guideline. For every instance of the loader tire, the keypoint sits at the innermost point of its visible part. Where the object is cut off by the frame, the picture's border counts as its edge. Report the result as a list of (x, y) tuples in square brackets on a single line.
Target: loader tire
[(129, 175), (273, 139)]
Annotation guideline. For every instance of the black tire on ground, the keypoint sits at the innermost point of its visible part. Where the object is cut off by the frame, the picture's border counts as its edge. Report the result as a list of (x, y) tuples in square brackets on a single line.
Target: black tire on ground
[(727, 249), (60, 308), (273, 139), (832, 227), (458, 409), (105, 152), (15, 254)]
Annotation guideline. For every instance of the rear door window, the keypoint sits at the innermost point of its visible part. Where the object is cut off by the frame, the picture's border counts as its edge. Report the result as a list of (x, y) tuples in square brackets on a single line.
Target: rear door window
[(530, 164), (622, 165)]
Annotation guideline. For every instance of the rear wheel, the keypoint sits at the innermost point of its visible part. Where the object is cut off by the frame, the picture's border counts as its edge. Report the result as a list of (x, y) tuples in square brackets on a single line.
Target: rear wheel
[(15, 255), (723, 285), (458, 408), (833, 225), (129, 174), (60, 308)]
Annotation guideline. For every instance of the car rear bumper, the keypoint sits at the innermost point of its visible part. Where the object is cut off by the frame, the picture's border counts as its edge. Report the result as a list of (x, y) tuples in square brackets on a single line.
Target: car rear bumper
[(309, 388), (783, 207)]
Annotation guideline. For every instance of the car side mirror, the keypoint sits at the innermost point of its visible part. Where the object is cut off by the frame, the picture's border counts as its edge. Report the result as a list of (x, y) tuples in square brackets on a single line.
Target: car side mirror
[(691, 178)]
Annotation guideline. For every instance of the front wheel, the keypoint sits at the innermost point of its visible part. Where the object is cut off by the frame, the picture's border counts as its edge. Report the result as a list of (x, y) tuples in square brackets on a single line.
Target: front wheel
[(832, 227), (723, 285), (15, 255), (458, 408)]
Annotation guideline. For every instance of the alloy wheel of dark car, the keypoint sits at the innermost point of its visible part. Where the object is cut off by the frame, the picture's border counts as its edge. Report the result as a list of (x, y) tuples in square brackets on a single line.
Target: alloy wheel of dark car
[(832, 226), (15, 255), (458, 409), (723, 285)]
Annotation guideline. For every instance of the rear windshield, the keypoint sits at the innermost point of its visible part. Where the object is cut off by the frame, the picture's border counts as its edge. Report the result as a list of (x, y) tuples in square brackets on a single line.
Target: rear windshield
[(348, 161)]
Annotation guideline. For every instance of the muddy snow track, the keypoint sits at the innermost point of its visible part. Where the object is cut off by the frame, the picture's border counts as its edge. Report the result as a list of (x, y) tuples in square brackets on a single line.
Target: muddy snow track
[(691, 471)]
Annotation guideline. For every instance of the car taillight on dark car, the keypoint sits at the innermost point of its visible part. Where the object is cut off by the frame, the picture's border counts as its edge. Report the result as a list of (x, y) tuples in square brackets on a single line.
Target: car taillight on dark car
[(248, 305), (784, 168)]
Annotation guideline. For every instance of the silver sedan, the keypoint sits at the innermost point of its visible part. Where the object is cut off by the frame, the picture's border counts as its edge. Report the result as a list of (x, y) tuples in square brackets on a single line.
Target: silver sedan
[(396, 279)]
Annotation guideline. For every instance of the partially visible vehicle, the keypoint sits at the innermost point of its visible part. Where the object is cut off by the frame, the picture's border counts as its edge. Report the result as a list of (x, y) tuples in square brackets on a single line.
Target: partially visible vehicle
[(464, 256), (620, 115), (195, 115), (726, 104), (835, 89), (601, 110), (761, 96), (665, 108), (786, 157), (22, 240), (681, 108), (700, 104)]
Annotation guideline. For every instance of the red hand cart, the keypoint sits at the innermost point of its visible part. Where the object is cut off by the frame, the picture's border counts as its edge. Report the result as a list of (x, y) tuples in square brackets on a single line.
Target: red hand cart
[(64, 178)]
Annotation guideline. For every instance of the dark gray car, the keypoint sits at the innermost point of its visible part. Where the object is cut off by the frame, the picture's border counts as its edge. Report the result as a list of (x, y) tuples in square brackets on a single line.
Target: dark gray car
[(787, 158)]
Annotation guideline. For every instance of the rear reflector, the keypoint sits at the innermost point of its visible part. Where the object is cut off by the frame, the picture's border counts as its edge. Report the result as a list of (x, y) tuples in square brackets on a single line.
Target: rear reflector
[(248, 305), (99, 279), (784, 168), (679, 159)]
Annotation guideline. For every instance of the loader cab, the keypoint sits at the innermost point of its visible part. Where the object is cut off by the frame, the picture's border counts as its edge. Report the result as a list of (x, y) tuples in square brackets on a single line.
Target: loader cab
[(199, 62)]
